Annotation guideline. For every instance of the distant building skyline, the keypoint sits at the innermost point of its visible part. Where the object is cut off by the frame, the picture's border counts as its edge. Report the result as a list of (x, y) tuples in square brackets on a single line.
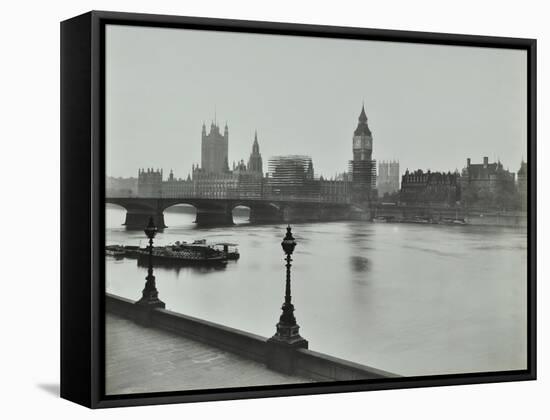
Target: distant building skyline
[(292, 177), (428, 106), (215, 152)]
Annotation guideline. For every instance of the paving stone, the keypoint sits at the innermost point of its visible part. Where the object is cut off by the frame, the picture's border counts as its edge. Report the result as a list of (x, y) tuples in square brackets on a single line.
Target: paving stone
[(141, 359)]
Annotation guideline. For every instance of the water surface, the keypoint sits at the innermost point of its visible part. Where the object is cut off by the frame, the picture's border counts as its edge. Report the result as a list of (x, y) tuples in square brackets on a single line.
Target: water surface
[(410, 299)]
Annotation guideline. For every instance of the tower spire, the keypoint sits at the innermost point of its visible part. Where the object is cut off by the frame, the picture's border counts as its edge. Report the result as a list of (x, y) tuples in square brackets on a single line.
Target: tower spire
[(363, 115), (362, 125), (255, 160)]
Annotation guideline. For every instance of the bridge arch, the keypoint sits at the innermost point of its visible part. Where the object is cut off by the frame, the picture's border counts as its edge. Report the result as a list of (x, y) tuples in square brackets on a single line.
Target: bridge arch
[(263, 212), (209, 212), (179, 214), (241, 213), (138, 211), (115, 215)]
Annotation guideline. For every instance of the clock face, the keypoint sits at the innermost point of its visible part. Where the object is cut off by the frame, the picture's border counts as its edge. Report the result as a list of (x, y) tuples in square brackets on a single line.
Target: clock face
[(357, 142), (368, 143)]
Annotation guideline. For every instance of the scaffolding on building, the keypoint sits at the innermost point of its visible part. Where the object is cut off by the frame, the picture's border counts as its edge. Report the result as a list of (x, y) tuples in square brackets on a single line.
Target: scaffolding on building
[(292, 177), (363, 177)]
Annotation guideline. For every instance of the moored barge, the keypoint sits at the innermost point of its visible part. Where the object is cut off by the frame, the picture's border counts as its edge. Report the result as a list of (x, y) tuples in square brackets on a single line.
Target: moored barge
[(181, 252), (198, 252)]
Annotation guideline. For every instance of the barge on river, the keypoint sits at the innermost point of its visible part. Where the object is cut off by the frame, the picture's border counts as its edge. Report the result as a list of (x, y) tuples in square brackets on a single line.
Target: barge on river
[(181, 252), (198, 252)]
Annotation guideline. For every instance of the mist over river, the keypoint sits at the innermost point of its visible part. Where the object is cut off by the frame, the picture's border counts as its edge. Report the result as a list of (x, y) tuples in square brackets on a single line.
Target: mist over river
[(407, 298)]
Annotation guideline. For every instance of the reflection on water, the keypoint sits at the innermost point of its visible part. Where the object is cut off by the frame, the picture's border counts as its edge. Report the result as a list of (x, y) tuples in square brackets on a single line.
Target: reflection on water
[(412, 299), (359, 264)]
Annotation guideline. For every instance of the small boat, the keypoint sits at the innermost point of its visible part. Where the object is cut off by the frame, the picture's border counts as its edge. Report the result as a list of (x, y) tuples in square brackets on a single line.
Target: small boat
[(417, 219), (230, 250), (452, 222)]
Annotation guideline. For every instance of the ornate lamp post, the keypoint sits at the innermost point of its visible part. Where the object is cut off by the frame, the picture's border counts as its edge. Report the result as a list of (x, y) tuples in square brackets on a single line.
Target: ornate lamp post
[(150, 293), (287, 338), (287, 327)]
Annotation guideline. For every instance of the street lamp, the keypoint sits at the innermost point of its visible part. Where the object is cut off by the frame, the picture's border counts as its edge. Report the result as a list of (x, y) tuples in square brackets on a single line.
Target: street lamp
[(150, 293), (287, 328), (283, 346)]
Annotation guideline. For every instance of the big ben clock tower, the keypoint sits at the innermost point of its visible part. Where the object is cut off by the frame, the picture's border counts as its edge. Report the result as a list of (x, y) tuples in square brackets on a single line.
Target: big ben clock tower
[(363, 168), (362, 139)]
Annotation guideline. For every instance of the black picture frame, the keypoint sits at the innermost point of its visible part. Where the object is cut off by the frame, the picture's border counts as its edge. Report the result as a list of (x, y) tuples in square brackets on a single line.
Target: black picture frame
[(83, 202)]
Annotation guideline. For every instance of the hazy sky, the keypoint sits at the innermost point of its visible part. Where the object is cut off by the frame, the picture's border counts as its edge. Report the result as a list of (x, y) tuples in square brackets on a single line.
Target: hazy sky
[(428, 106)]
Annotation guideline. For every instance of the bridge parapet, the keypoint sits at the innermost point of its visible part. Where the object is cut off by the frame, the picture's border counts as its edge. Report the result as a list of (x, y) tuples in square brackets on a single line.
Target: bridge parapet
[(218, 211), (223, 195)]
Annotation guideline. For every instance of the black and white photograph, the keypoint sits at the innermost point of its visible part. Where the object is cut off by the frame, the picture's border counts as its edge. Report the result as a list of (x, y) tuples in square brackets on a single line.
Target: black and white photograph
[(288, 210), (273, 210)]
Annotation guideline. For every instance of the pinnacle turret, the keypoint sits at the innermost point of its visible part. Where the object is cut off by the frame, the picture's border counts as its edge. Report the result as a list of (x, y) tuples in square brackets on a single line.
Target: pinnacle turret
[(255, 161)]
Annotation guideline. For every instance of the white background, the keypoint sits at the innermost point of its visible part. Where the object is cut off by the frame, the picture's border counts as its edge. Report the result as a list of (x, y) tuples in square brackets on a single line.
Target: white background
[(29, 305)]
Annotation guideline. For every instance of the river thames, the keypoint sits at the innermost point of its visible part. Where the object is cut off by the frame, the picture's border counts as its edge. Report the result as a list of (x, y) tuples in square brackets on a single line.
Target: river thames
[(406, 298)]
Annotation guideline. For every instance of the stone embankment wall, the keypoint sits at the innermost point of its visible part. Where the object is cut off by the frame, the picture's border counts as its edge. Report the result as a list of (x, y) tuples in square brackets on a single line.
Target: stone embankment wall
[(310, 364)]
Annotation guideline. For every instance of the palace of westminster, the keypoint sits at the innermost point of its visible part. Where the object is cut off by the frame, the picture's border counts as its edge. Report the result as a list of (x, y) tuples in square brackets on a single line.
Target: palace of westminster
[(292, 176)]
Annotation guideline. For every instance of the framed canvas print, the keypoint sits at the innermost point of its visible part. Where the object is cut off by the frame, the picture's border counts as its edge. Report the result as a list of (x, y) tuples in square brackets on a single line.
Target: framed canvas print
[(254, 209)]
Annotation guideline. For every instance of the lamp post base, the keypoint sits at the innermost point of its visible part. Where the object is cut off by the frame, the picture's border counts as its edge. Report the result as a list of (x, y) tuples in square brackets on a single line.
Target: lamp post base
[(150, 294), (146, 307), (281, 348), (151, 303)]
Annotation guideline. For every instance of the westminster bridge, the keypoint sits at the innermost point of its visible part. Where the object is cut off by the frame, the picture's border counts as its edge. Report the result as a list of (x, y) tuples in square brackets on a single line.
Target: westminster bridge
[(219, 211), (291, 209)]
